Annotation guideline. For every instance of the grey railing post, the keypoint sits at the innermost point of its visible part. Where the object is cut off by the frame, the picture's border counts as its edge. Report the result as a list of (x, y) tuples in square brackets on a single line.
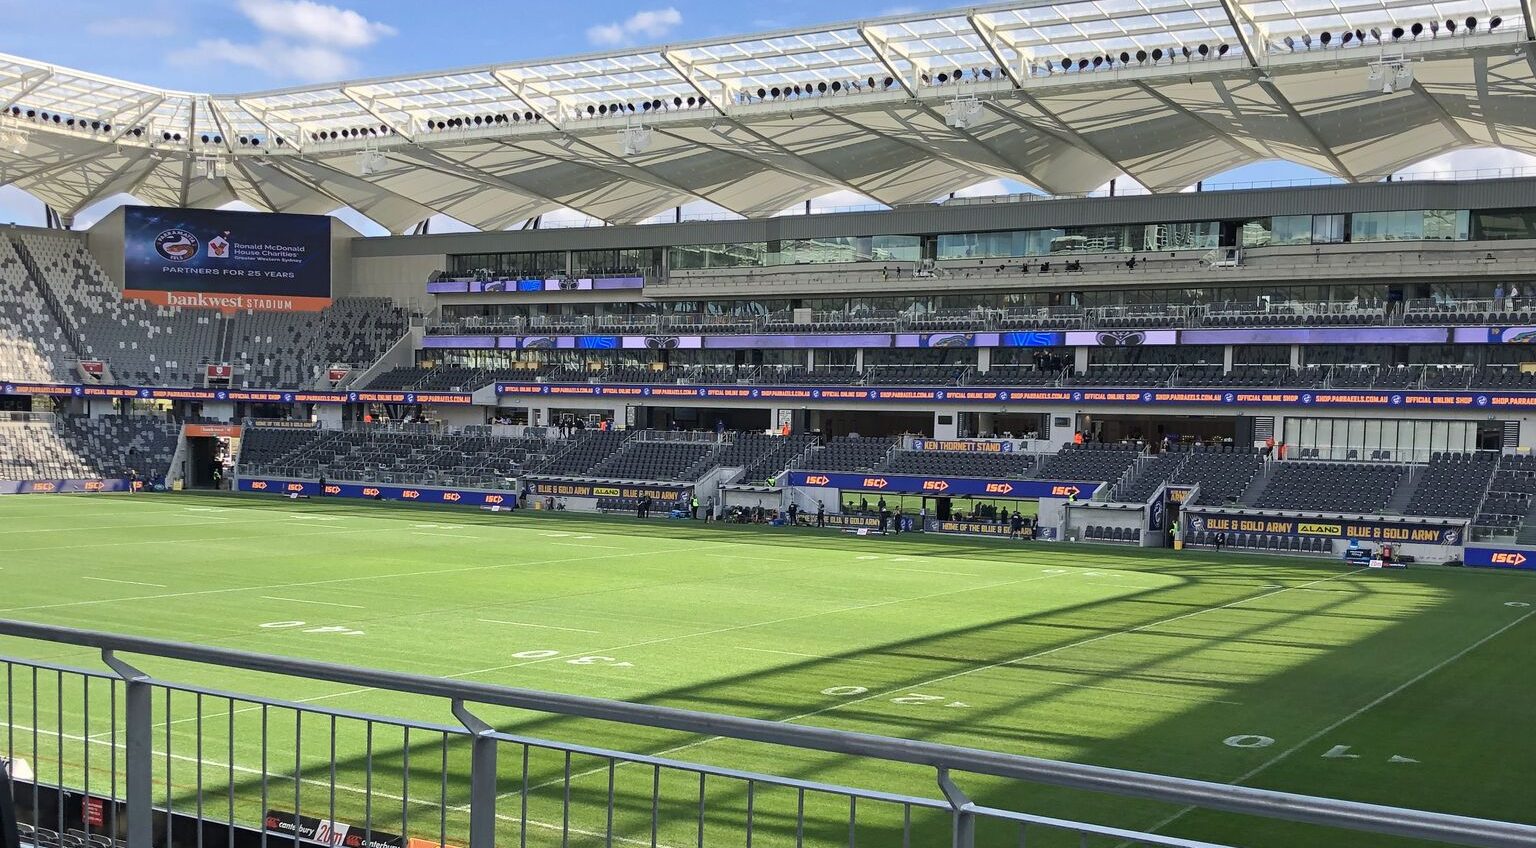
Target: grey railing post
[(482, 778), (960, 804), (138, 749)]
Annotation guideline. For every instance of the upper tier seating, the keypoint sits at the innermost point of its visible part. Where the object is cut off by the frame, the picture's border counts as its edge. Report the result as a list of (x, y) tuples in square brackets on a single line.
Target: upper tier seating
[(1089, 462), (761, 456), (468, 458), (643, 459), (84, 448), (852, 453), (1453, 484), (1348, 487), (961, 464), (152, 345), (1223, 472), (582, 453)]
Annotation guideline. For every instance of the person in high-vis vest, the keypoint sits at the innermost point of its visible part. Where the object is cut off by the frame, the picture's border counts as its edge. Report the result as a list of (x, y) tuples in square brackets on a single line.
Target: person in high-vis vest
[(693, 506)]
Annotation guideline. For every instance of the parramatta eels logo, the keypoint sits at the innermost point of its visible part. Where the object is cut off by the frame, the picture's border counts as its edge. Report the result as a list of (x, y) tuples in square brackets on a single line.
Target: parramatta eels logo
[(176, 245), (1146, 397), (1197, 523), (1481, 400), (1077, 396), (1451, 536), (939, 395), (1228, 397), (815, 393), (1396, 400), (1306, 398), (1122, 338)]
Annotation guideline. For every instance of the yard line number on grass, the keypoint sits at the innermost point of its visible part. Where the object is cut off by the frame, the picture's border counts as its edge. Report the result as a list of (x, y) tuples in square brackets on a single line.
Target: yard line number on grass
[(911, 698)]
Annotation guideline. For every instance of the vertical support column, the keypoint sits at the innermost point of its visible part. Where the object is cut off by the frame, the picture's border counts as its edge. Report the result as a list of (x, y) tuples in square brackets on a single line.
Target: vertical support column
[(139, 752), (858, 360), (964, 830), (1227, 359), (1080, 360), (1295, 356), (983, 359), (482, 779), (810, 359)]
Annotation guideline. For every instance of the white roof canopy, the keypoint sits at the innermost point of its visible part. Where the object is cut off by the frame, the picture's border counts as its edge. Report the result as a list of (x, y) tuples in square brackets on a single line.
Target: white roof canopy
[(1061, 96)]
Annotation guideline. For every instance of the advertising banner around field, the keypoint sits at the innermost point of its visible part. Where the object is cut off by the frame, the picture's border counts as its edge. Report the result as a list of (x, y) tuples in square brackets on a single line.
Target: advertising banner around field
[(326, 832), (1367, 530), (227, 260), (1523, 558), (419, 494), (63, 487), (228, 431), (246, 395), (940, 486), (995, 529), (965, 445), (1210, 398), (865, 522), (564, 489)]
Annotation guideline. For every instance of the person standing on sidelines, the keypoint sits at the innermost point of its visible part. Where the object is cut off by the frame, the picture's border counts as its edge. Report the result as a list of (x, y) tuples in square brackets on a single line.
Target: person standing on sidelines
[(1015, 524), (821, 514), (794, 513), (693, 506)]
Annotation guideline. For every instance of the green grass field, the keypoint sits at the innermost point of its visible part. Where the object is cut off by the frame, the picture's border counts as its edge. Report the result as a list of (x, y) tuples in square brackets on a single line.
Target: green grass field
[(1139, 660)]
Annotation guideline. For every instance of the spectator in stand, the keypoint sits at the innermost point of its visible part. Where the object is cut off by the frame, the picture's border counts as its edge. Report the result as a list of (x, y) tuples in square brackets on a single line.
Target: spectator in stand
[(1498, 298)]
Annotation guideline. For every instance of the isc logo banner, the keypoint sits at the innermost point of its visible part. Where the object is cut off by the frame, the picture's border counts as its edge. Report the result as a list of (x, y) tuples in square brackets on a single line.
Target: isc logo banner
[(494, 499), (452, 497), (1507, 558), (370, 492), (332, 489), (410, 494), (259, 485)]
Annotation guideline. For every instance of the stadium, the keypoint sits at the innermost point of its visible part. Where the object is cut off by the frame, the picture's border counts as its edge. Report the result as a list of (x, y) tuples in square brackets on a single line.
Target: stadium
[(658, 503)]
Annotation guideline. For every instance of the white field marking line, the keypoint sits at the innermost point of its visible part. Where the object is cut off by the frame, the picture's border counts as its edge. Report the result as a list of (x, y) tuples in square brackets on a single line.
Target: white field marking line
[(936, 571), (563, 656), (336, 580), (125, 582), (459, 536), (186, 541), (781, 621), (201, 522), (806, 656), (1397, 690), (1141, 694), (1081, 642), (540, 626), (216, 765), (299, 601)]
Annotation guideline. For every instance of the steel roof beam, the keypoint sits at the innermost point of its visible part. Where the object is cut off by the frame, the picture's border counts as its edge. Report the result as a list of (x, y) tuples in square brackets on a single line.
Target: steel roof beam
[(879, 46), (30, 81), (686, 71), (990, 38), (1238, 16), (370, 105), (519, 89)]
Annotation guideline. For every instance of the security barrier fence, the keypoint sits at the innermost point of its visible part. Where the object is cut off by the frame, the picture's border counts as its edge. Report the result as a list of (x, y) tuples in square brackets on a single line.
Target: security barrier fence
[(118, 756)]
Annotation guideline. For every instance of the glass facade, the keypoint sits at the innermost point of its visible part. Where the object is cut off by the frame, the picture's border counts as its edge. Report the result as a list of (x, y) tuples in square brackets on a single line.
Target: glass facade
[(1404, 439), (1428, 224), (1109, 238)]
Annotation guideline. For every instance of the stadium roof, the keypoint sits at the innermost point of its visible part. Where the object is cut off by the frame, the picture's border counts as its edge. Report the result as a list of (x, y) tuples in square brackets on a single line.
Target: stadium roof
[(1059, 95)]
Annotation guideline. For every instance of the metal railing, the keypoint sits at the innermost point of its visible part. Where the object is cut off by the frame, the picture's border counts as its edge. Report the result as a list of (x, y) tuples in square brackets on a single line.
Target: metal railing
[(256, 764)]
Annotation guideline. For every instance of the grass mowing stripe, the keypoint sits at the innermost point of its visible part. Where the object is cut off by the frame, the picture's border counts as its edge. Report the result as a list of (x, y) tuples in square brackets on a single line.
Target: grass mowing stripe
[(1381, 699), (1038, 654)]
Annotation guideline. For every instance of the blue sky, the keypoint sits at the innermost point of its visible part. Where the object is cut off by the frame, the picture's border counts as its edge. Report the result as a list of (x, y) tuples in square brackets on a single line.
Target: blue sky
[(245, 45)]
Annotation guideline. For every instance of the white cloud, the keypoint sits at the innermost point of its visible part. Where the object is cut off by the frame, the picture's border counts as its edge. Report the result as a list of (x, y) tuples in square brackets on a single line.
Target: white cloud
[(305, 20), (309, 63), (1487, 162), (649, 23)]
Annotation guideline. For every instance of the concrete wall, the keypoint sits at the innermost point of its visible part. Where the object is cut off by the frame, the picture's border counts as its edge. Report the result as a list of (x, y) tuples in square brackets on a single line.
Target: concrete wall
[(403, 278), (105, 242)]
